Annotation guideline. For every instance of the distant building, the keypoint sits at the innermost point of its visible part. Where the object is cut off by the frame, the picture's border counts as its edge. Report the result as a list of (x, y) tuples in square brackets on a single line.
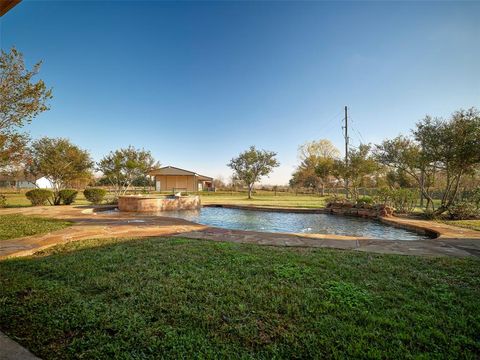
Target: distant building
[(20, 181), (174, 179)]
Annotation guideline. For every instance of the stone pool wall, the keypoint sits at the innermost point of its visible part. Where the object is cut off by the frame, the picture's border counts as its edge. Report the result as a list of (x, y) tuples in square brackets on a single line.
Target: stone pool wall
[(155, 204), (368, 211)]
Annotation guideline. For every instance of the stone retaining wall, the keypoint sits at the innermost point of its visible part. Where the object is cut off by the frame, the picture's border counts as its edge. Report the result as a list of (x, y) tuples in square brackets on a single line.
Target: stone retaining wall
[(368, 211), (154, 204)]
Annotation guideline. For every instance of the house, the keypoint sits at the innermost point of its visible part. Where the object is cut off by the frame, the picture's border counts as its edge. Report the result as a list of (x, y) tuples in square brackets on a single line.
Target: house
[(170, 178), (20, 181)]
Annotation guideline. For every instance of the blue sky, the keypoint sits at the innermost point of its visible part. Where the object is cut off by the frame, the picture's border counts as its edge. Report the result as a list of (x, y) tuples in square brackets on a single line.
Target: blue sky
[(198, 82)]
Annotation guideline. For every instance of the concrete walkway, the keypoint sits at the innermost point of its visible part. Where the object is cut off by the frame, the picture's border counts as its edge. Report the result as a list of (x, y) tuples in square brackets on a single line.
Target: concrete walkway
[(10, 350), (452, 241)]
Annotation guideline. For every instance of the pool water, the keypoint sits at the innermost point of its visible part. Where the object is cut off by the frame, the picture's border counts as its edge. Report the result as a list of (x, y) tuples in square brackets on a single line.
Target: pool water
[(240, 219)]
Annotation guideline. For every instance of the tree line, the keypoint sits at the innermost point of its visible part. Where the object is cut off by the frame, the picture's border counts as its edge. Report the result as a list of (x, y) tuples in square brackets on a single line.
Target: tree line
[(438, 156)]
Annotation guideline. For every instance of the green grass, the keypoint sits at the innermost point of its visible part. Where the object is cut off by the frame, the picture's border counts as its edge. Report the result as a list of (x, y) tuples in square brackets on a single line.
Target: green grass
[(178, 298), (468, 224), (16, 226), (264, 198), (18, 199), (261, 198)]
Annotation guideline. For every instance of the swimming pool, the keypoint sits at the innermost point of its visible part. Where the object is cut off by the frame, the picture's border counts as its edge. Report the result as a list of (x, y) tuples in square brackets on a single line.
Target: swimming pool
[(269, 221)]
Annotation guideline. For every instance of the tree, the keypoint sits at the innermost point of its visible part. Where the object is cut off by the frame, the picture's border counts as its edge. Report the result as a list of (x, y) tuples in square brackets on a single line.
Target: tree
[(305, 175), (397, 178), (324, 171), (252, 164), (322, 148), (360, 165), (219, 183), (122, 167), (60, 161), (21, 99), (316, 161), (452, 147), (405, 155), (446, 148)]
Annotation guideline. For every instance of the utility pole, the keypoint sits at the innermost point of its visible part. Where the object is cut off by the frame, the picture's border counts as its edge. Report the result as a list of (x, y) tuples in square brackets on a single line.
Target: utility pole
[(346, 150)]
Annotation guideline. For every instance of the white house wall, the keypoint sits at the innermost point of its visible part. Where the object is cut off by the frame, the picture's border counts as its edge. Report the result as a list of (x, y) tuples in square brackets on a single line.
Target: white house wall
[(44, 183)]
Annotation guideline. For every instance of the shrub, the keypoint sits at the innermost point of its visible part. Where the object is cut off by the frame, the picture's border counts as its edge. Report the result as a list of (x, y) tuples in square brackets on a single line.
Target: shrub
[(364, 200), (95, 195), (39, 196), (475, 197), (333, 198), (3, 201), (384, 196), (403, 200), (464, 210), (67, 196)]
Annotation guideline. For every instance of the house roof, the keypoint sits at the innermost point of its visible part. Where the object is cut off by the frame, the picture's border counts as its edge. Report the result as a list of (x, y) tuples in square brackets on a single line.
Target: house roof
[(172, 170), (6, 5)]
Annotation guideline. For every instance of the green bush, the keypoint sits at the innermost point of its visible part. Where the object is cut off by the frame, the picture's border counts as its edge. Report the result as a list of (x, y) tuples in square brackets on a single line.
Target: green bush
[(95, 195), (364, 200), (402, 200), (3, 201), (39, 196), (67, 196), (464, 210), (475, 197)]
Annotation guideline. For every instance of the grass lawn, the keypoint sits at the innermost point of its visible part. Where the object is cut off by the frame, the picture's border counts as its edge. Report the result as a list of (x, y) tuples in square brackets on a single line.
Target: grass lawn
[(16, 225), (261, 198), (18, 199), (264, 198), (469, 224), (178, 298)]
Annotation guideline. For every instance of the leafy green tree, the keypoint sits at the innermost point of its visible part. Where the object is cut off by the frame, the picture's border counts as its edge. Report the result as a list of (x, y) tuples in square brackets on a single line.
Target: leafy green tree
[(305, 175), (361, 164), (324, 170), (447, 147), (251, 165), (405, 155), (398, 179), (452, 147), (123, 166), (60, 161), (21, 99)]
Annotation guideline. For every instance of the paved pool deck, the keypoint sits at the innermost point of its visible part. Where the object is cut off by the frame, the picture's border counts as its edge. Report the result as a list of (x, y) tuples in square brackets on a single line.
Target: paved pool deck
[(90, 222)]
